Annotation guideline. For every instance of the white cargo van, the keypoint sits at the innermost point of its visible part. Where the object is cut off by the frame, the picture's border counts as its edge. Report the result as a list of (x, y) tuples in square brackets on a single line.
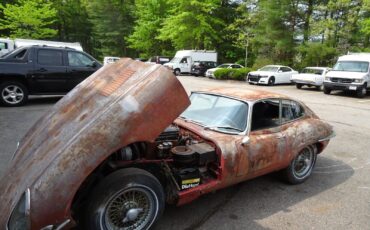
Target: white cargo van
[(7, 45), (184, 59), (350, 73)]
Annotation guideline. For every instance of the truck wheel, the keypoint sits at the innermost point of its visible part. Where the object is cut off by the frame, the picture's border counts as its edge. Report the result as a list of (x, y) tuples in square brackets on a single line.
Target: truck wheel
[(301, 166), (13, 93), (177, 72), (327, 90), (126, 199), (299, 86), (361, 93), (271, 81)]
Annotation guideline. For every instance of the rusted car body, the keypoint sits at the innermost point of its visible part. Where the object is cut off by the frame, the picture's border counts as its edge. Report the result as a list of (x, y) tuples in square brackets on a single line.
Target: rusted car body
[(114, 121)]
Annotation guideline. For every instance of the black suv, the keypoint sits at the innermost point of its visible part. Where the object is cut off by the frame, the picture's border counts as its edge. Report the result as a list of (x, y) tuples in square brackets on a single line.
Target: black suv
[(42, 70), (199, 68)]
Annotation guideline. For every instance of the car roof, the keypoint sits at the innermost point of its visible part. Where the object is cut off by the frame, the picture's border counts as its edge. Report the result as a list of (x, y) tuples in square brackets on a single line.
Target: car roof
[(276, 66), (242, 94)]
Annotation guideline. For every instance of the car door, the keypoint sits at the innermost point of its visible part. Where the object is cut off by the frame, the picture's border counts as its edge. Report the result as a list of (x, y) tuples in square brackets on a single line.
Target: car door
[(286, 74), (80, 66), (50, 73), (185, 64), (267, 145)]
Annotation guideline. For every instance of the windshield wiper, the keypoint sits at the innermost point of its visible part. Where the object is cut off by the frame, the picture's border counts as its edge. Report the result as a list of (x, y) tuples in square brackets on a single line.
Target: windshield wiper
[(223, 127)]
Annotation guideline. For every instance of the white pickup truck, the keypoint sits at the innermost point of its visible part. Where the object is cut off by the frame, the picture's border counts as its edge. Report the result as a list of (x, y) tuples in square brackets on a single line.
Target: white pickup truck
[(350, 73)]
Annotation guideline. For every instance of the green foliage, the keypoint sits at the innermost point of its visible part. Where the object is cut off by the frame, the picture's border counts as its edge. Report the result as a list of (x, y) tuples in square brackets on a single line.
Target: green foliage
[(112, 21), (233, 74), (29, 19), (316, 54), (191, 24), (73, 24), (150, 14), (260, 62)]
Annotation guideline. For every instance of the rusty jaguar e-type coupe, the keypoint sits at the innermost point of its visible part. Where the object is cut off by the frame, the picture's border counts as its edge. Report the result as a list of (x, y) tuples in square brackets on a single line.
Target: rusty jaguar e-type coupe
[(128, 139)]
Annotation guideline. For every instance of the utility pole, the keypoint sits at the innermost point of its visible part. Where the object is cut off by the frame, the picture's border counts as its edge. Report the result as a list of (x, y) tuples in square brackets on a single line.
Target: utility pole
[(246, 53)]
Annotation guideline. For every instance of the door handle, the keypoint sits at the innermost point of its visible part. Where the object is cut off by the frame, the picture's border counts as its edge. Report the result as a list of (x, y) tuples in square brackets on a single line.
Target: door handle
[(42, 70)]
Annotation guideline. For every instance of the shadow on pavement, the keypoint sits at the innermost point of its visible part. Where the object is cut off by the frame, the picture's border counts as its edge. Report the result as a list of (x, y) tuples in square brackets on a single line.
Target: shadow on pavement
[(241, 206)]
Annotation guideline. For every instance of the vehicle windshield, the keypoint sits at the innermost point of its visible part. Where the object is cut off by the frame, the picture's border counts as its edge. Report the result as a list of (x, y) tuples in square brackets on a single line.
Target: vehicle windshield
[(175, 60), (223, 66), (269, 68), (12, 52), (352, 66), (313, 71), (217, 113)]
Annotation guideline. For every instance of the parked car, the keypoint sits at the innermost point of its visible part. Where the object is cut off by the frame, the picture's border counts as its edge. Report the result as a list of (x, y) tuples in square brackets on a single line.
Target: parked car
[(310, 76), (184, 59), (109, 60), (199, 68), (210, 72), (97, 160), (42, 70), (159, 60), (271, 75), (350, 73)]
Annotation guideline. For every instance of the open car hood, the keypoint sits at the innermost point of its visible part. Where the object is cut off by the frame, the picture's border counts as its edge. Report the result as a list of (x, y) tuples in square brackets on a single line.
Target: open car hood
[(122, 103)]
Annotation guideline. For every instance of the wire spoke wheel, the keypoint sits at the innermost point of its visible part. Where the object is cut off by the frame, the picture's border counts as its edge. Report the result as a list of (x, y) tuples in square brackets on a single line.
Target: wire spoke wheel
[(301, 166), (303, 163), (130, 209)]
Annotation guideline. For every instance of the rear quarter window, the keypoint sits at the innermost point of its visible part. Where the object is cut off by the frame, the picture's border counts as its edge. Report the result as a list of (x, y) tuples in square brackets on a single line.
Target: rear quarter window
[(291, 110)]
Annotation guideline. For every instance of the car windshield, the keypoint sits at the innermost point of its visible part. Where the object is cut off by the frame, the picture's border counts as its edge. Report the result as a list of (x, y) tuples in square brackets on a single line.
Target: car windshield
[(217, 113), (175, 60), (269, 68), (12, 52), (313, 71), (352, 66), (223, 66)]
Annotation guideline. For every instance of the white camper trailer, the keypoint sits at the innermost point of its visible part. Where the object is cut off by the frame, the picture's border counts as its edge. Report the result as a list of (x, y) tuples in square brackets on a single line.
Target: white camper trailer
[(7, 45)]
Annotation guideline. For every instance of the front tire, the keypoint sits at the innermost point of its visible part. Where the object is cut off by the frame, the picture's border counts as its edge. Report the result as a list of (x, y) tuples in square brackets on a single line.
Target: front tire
[(271, 81), (299, 86), (361, 93), (177, 72), (301, 166), (126, 199), (327, 90), (13, 93)]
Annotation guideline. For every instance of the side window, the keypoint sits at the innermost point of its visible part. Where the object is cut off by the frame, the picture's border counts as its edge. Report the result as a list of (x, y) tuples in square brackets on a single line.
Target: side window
[(265, 114), (78, 59), (184, 60), (50, 57), (285, 69), (291, 110), (235, 66), (3, 45)]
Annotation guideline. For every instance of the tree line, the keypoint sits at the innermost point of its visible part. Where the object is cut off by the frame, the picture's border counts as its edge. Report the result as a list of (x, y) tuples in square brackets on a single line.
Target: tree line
[(298, 33)]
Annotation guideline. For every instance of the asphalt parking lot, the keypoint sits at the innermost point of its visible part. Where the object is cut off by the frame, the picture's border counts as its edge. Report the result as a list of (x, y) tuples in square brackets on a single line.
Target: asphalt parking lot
[(337, 196)]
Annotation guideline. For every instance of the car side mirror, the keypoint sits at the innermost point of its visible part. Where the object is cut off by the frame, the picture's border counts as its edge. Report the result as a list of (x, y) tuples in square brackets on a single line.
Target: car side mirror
[(245, 140), (93, 64), (280, 71)]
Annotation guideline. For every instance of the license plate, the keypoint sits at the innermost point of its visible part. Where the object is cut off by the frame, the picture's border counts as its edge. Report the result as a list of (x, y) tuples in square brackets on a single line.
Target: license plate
[(352, 88)]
